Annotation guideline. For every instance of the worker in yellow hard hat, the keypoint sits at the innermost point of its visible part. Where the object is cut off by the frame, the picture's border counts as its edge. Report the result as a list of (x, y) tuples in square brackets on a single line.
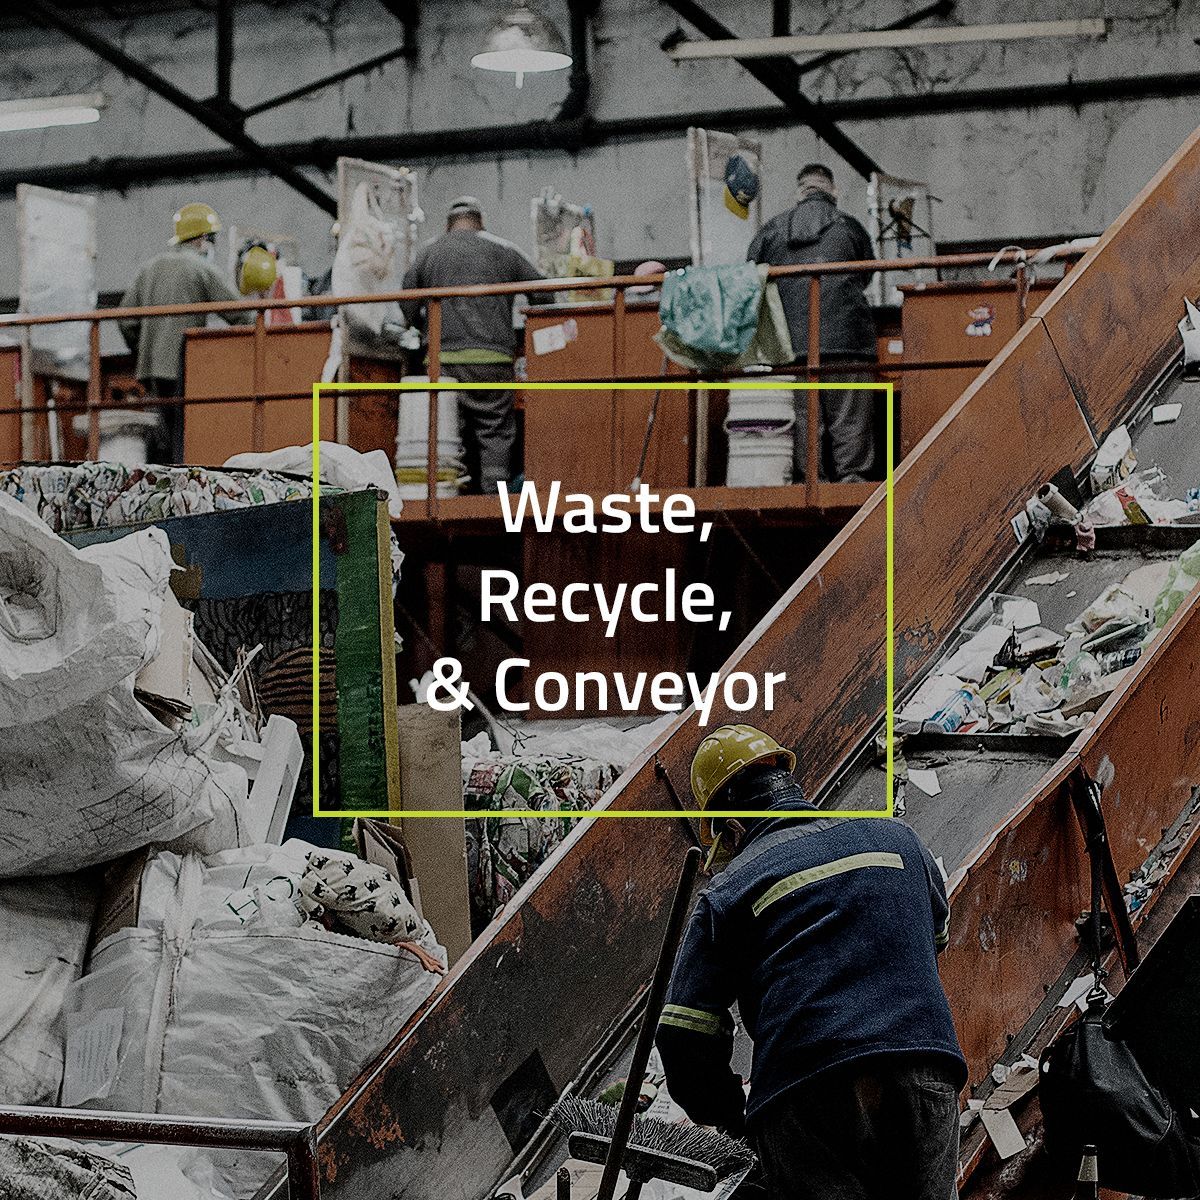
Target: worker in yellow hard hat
[(719, 757), (184, 274), (194, 221), (257, 270), (824, 932)]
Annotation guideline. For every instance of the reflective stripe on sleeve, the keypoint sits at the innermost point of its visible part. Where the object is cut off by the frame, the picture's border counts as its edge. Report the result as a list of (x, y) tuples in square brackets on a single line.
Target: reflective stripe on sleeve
[(694, 1019), (801, 879)]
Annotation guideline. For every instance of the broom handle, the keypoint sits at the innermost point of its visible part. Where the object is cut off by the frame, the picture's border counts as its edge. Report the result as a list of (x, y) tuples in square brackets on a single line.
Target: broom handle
[(645, 1038)]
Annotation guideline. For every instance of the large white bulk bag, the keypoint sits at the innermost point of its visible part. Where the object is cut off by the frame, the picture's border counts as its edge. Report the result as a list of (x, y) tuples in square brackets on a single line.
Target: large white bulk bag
[(231, 1005), (87, 773), (44, 929)]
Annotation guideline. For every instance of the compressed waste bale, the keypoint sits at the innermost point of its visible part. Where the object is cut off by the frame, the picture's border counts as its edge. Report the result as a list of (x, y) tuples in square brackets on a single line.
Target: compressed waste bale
[(35, 1170), (504, 851)]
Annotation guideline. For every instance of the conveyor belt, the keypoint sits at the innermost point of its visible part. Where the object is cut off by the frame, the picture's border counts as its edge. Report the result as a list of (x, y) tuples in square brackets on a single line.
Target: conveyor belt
[(451, 1100)]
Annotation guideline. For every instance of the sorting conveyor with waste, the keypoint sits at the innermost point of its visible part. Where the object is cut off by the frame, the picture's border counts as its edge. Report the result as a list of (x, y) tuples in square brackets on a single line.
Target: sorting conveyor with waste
[(543, 995)]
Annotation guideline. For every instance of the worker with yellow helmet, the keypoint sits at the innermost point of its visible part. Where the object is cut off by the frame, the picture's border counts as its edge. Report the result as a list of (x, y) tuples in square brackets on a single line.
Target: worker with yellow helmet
[(184, 274), (824, 932)]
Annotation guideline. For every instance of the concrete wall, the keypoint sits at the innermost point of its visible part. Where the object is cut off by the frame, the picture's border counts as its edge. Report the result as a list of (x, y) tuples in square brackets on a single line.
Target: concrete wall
[(1010, 174)]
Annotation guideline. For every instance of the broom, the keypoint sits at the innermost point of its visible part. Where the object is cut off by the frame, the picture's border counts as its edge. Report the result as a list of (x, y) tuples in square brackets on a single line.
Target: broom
[(649, 1148), (688, 1155)]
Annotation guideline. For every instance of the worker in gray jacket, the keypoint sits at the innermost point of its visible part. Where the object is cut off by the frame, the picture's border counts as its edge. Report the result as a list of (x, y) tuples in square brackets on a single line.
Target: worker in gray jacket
[(815, 230), (478, 343), (182, 275)]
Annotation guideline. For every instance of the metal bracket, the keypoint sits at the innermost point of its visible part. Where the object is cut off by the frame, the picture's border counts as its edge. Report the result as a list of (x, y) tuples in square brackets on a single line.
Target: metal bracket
[(1085, 796)]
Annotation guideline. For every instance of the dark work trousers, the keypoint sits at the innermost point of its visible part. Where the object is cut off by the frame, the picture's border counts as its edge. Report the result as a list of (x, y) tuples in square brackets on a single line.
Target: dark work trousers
[(488, 422), (848, 441), (166, 446), (887, 1130)]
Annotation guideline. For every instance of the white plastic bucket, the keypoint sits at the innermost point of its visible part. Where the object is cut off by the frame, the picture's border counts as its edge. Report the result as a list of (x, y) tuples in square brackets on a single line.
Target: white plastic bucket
[(756, 461), (412, 426), (124, 434), (761, 409)]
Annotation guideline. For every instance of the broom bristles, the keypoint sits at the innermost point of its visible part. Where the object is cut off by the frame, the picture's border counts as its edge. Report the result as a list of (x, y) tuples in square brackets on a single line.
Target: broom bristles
[(724, 1154)]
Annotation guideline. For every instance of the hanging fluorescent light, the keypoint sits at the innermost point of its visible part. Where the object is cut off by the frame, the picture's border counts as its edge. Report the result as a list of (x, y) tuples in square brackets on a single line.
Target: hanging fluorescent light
[(522, 42), (44, 112)]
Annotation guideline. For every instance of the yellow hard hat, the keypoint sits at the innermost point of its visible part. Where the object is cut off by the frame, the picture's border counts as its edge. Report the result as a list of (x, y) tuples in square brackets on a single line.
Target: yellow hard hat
[(724, 753), (258, 271), (195, 220)]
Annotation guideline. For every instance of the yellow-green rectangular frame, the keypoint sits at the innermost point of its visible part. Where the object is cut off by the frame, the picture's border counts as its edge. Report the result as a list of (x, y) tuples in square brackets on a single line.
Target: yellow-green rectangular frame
[(320, 389)]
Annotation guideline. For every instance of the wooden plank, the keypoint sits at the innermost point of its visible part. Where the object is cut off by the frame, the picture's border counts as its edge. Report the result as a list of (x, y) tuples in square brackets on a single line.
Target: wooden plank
[(431, 778), (10, 397), (220, 362)]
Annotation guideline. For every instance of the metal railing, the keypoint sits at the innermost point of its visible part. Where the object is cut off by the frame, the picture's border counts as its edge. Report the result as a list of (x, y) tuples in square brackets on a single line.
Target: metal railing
[(433, 299), (295, 1140)]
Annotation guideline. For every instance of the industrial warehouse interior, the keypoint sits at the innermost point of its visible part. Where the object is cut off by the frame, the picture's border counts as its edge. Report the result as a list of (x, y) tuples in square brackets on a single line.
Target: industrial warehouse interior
[(599, 600)]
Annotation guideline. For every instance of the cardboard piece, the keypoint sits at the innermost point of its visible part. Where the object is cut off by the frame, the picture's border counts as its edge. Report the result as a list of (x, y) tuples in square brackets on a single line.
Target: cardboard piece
[(164, 684), (431, 780), (382, 845), (120, 896)]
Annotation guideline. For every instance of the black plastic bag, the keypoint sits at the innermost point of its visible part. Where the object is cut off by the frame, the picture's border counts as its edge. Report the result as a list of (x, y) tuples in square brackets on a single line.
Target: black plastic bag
[(1093, 1090)]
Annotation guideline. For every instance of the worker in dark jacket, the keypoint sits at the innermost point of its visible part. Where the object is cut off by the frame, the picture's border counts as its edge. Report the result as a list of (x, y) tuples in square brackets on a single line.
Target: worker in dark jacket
[(815, 230), (824, 931), (478, 343)]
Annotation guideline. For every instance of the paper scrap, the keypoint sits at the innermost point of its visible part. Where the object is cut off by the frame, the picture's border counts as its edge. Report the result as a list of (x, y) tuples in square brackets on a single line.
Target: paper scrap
[(549, 338), (555, 337), (1020, 614), (1164, 414), (1003, 1131), (1047, 580), (1080, 987), (1077, 993), (1020, 526), (91, 1057), (927, 781)]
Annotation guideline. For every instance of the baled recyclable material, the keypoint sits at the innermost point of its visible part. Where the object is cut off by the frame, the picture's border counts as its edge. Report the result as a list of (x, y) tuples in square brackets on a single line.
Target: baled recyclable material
[(31, 1169)]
